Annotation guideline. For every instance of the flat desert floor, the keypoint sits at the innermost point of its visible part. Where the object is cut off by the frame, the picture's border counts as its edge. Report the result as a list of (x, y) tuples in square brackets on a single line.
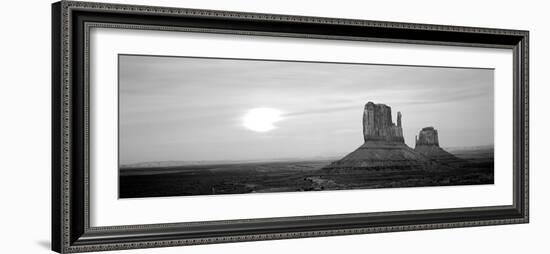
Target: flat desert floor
[(292, 176)]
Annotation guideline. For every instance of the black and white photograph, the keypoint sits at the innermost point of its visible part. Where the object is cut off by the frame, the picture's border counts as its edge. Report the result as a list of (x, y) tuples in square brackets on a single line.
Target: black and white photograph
[(270, 127), (209, 126)]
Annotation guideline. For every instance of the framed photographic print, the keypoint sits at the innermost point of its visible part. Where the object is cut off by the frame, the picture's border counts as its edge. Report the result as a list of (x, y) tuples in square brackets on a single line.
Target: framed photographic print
[(182, 126)]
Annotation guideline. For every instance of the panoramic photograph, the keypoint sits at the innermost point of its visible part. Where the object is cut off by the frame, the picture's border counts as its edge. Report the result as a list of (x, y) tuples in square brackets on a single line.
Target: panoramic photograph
[(213, 126)]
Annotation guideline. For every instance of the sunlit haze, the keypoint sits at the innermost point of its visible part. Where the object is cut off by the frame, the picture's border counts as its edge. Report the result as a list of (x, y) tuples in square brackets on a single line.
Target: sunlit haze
[(261, 119)]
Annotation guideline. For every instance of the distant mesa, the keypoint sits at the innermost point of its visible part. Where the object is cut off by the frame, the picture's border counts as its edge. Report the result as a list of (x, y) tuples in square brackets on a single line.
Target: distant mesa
[(427, 137), (427, 144), (384, 145)]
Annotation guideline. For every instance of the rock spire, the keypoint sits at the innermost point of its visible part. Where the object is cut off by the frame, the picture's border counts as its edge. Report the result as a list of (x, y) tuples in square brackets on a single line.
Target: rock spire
[(378, 124)]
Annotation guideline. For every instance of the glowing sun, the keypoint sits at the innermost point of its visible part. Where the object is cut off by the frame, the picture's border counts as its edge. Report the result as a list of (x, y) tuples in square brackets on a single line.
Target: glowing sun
[(261, 119)]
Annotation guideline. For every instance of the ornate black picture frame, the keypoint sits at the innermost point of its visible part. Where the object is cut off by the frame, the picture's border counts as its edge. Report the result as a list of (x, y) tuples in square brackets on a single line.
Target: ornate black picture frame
[(71, 230)]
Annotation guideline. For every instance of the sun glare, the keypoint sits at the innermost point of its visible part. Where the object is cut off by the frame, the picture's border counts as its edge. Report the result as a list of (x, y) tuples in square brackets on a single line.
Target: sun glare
[(261, 119)]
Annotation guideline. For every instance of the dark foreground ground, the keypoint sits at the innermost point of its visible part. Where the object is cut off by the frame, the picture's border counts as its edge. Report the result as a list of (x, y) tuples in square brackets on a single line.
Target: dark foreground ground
[(295, 176)]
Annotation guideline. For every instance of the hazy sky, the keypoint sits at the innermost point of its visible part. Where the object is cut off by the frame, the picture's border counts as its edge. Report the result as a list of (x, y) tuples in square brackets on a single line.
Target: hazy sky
[(192, 109)]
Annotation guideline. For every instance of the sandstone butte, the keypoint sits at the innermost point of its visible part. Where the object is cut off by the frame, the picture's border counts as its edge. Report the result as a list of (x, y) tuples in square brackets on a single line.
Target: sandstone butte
[(427, 144), (384, 146)]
